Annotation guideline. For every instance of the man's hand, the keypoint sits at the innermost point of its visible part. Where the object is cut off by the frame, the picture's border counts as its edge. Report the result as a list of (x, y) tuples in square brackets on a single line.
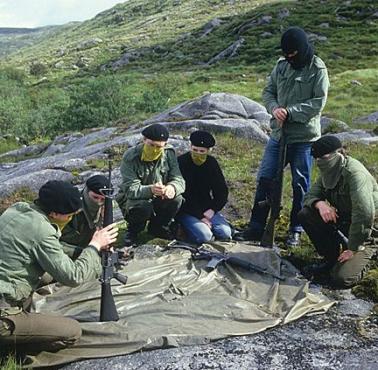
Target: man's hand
[(169, 192), (103, 238), (327, 213), (206, 221), (158, 189), (280, 114), (209, 214), (345, 256)]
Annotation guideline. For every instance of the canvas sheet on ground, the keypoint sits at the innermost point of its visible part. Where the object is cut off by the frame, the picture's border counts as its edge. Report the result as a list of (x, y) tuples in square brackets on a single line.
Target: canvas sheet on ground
[(170, 301)]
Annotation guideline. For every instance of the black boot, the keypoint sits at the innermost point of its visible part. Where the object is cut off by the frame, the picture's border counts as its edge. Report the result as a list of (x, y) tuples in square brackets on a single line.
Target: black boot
[(130, 238), (160, 231), (249, 235)]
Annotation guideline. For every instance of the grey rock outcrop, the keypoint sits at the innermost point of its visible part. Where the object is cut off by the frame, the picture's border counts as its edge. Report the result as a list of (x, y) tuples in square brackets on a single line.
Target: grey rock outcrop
[(330, 125), (210, 26), (360, 136), (227, 53), (70, 156), (371, 118), (88, 44), (219, 112)]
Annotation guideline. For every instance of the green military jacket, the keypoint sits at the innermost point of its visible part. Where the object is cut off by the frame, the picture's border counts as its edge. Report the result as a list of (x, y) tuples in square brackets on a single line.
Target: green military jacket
[(29, 247), (303, 93), (355, 197), (138, 176), (79, 231)]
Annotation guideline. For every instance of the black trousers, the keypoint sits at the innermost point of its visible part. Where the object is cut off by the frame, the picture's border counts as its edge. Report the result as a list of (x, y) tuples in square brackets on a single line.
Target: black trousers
[(158, 211)]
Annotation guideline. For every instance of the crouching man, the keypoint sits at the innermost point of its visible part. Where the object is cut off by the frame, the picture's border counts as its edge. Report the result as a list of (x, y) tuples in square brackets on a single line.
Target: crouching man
[(29, 247), (344, 198), (151, 185)]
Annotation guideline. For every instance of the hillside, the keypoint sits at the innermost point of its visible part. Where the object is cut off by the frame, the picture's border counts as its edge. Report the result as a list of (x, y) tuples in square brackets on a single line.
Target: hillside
[(149, 55)]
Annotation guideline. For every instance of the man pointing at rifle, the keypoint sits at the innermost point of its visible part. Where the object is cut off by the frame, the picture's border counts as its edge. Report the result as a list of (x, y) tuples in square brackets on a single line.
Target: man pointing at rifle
[(295, 96)]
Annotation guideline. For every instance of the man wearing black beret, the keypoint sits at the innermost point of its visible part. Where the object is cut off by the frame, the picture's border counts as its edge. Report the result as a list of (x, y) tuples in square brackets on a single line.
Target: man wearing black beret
[(79, 231), (343, 199), (205, 194), (30, 247), (151, 185)]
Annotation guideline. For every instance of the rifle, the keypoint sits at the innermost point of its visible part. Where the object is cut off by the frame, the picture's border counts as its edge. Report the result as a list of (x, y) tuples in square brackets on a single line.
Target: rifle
[(217, 258), (274, 200), (110, 261)]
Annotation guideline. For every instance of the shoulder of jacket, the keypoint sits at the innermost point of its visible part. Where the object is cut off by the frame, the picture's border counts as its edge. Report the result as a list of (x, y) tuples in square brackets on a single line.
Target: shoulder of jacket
[(132, 153), (318, 63)]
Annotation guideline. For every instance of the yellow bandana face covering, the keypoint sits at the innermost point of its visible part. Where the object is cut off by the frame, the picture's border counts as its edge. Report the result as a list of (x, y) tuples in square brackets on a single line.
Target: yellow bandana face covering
[(198, 158), (151, 153), (60, 224)]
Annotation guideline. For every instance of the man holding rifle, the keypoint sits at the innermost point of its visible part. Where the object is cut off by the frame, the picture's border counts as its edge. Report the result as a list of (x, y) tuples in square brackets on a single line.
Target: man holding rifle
[(29, 247), (295, 96), (343, 201)]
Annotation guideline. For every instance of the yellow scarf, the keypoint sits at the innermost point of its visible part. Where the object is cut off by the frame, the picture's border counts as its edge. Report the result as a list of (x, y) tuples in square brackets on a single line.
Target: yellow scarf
[(198, 158), (60, 224), (151, 153)]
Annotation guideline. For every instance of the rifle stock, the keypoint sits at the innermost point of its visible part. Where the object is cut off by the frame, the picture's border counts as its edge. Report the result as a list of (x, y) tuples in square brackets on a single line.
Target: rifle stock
[(275, 195)]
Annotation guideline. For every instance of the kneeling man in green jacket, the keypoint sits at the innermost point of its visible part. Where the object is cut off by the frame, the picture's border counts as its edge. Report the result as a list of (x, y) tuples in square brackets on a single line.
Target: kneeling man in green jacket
[(340, 215), (152, 185), (29, 247)]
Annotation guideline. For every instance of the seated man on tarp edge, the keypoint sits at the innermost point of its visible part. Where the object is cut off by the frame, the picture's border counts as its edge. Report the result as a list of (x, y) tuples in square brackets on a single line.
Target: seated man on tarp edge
[(205, 194), (29, 247), (344, 198)]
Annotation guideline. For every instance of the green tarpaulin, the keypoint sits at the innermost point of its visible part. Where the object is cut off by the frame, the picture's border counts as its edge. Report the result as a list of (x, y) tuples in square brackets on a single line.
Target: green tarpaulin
[(170, 301)]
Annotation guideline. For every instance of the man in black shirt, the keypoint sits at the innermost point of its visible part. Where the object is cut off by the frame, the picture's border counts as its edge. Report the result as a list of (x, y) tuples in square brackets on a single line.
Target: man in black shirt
[(206, 192)]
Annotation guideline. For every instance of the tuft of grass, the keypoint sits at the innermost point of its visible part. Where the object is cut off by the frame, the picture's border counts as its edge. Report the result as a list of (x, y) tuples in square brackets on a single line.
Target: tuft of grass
[(368, 286), (21, 195), (8, 362)]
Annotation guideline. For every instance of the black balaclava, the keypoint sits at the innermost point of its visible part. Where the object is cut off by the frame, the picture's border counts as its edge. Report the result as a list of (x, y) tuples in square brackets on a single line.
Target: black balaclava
[(295, 39)]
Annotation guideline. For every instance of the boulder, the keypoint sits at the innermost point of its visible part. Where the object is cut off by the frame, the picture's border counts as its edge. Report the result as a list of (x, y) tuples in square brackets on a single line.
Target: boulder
[(283, 13), (371, 118), (88, 44), (330, 125), (210, 26), (227, 53), (358, 136), (219, 112)]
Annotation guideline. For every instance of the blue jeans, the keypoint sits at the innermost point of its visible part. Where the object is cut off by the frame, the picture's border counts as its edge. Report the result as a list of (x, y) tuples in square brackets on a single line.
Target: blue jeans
[(299, 157), (198, 232)]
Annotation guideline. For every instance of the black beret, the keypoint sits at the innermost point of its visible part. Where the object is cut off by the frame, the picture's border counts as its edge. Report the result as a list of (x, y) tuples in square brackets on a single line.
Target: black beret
[(96, 183), (202, 139), (60, 197), (156, 132), (325, 145)]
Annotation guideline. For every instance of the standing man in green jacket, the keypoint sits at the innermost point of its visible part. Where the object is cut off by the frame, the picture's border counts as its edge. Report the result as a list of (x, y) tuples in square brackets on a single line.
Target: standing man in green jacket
[(295, 97), (152, 185), (344, 198), (79, 231), (29, 247)]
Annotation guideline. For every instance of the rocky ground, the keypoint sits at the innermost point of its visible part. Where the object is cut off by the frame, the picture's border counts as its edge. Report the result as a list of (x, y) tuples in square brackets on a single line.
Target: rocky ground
[(344, 338)]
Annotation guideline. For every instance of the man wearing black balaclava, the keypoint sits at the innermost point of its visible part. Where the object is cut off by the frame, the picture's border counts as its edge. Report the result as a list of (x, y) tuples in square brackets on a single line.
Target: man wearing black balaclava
[(295, 96)]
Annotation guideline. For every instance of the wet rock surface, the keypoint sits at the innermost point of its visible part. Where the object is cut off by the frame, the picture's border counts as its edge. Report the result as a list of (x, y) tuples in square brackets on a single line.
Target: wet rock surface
[(330, 341)]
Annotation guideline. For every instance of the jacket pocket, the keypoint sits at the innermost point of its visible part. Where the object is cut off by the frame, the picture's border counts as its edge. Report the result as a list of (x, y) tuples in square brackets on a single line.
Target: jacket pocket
[(303, 87)]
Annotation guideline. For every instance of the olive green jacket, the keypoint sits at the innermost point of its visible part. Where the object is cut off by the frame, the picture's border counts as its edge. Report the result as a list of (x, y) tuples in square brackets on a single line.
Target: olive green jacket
[(355, 197), (29, 247), (303, 93), (138, 176)]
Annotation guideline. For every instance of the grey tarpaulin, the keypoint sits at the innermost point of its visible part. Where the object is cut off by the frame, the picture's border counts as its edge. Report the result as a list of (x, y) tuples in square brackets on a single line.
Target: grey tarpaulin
[(171, 301)]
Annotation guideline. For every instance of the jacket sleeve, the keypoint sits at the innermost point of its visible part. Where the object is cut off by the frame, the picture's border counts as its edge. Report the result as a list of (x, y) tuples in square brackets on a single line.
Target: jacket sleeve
[(175, 177), (363, 209), (302, 112), (315, 193), (52, 259), (270, 92), (131, 184), (219, 189)]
